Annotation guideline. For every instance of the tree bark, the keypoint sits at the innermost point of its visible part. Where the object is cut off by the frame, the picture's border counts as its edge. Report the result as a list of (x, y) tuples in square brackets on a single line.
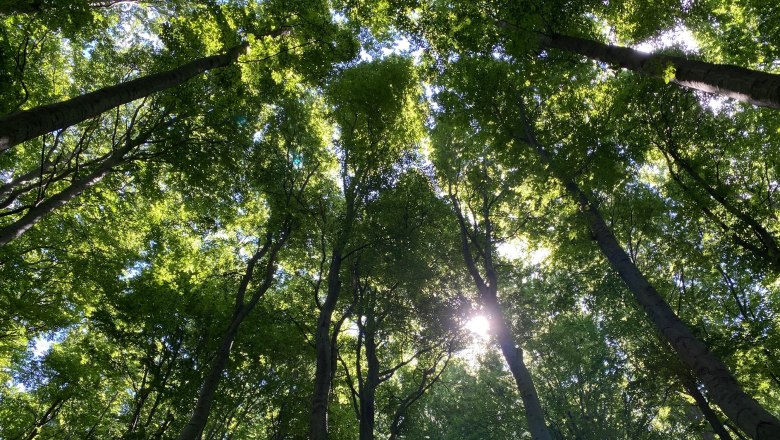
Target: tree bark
[(489, 296), (326, 358), (704, 407), (722, 387), (746, 85), (514, 358), (369, 386), (324, 350), (197, 422), (28, 124), (37, 213)]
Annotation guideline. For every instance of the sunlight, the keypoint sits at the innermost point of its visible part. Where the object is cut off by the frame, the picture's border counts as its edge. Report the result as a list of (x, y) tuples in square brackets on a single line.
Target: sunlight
[(479, 326), (677, 36)]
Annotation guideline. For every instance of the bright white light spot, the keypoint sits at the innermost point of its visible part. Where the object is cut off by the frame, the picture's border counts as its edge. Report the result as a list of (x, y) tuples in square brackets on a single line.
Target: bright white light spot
[(479, 326), (365, 56), (41, 346), (677, 36), (351, 328), (519, 249)]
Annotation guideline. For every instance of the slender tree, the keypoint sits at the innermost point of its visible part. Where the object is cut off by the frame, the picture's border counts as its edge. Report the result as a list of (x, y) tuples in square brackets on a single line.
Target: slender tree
[(243, 307), (723, 388), (488, 293), (377, 112), (29, 124)]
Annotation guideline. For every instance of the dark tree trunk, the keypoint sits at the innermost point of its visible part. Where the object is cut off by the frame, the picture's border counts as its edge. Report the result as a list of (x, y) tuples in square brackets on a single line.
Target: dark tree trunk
[(704, 407), (38, 212), (324, 350), (29, 124), (751, 86), (488, 291), (722, 387), (324, 346), (514, 358), (197, 422), (371, 383)]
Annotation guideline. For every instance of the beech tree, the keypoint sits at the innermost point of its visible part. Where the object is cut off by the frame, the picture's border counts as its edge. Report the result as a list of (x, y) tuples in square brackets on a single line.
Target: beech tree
[(399, 219)]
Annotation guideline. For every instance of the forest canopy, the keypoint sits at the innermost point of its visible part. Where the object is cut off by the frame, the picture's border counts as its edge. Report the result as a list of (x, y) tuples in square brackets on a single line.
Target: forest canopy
[(389, 219)]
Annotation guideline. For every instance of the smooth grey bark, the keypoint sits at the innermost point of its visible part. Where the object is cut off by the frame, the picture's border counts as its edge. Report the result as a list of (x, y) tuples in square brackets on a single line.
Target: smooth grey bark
[(28, 124), (197, 421), (746, 85), (488, 291), (721, 385)]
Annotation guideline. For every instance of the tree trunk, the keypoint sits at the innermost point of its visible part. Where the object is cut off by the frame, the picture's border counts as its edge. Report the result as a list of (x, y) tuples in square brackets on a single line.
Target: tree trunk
[(36, 213), (514, 358), (197, 422), (488, 292), (318, 429), (751, 86), (324, 348), (704, 407), (368, 391), (29, 124), (722, 387), (208, 390)]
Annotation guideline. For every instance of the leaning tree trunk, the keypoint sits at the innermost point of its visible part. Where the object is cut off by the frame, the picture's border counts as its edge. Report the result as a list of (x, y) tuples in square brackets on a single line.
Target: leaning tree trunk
[(751, 86), (38, 212), (29, 124), (514, 358), (704, 407), (722, 387), (488, 292), (197, 422)]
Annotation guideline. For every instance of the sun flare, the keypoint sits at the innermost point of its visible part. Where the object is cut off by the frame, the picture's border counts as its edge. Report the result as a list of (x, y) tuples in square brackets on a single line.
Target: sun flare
[(479, 326)]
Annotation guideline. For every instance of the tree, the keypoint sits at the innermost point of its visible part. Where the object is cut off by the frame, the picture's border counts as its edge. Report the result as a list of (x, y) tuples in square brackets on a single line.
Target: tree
[(374, 108), (724, 389), (28, 124)]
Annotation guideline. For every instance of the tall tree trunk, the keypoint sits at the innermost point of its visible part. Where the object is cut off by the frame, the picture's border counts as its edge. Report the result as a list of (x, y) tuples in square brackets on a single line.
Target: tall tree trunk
[(751, 86), (324, 347), (371, 383), (690, 387), (197, 422), (513, 355), (29, 124), (38, 212), (488, 291), (722, 387), (318, 429)]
